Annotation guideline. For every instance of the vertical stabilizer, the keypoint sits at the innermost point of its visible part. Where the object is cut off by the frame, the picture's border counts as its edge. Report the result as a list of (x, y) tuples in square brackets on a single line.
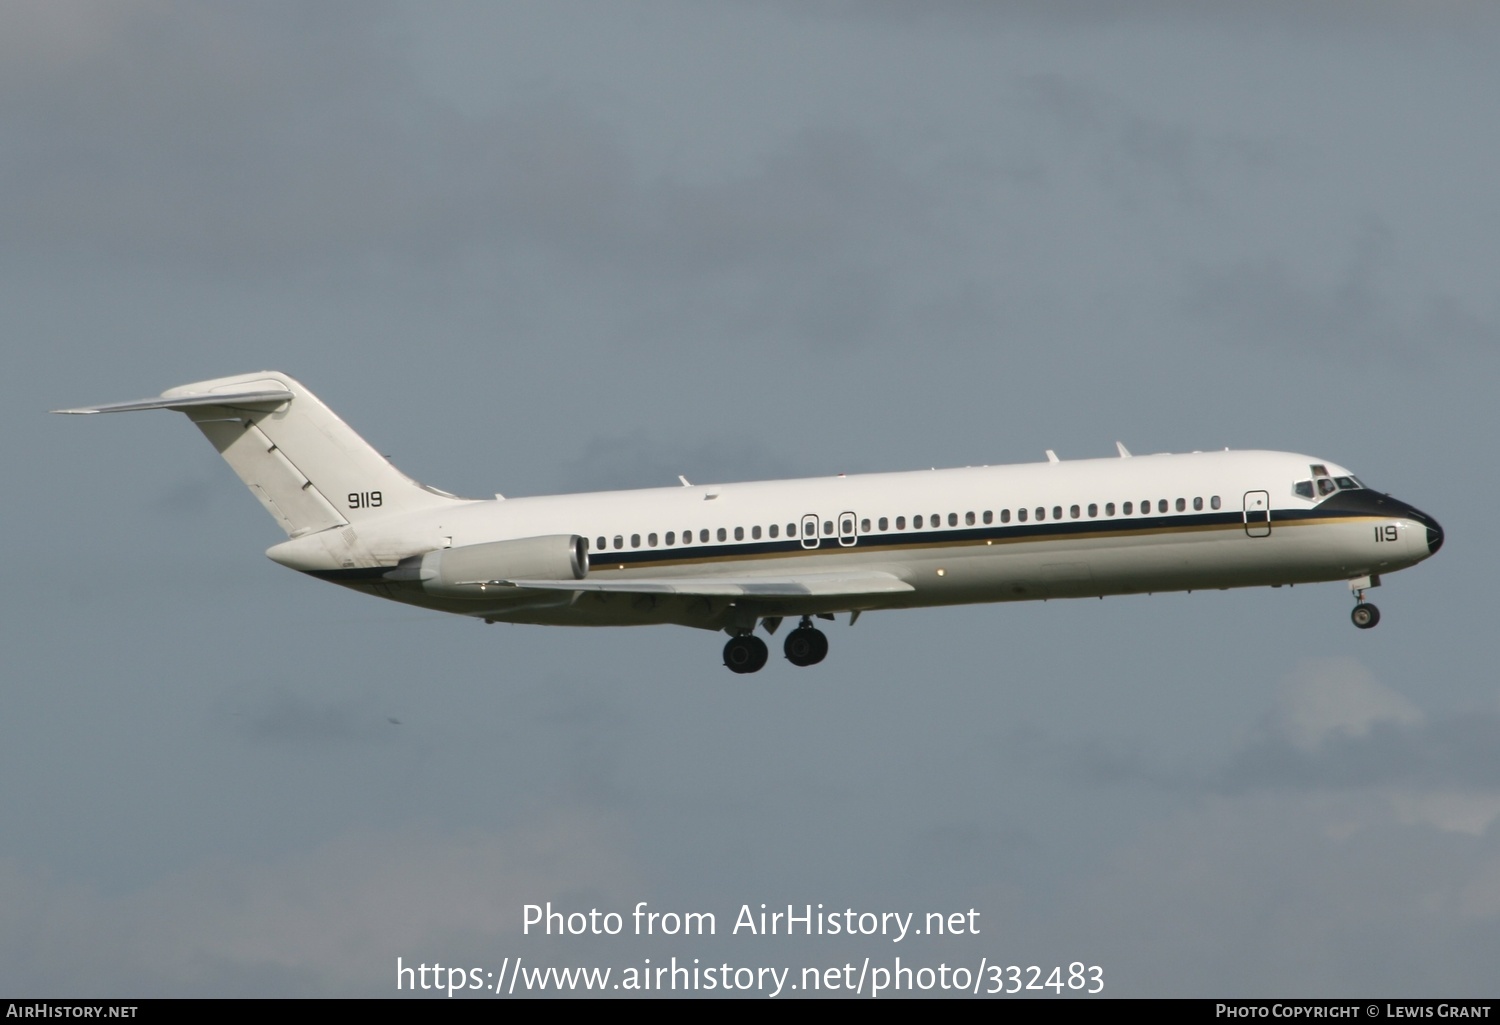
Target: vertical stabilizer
[(303, 463)]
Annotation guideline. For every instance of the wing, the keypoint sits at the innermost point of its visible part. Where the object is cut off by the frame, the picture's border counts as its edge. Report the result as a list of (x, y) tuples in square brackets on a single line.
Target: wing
[(804, 585)]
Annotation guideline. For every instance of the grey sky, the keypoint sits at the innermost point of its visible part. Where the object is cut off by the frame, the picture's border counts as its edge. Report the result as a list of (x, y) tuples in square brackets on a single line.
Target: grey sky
[(540, 247)]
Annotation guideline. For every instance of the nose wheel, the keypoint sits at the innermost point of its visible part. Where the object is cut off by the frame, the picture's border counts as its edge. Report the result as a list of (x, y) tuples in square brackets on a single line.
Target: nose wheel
[(745, 654), (1364, 615)]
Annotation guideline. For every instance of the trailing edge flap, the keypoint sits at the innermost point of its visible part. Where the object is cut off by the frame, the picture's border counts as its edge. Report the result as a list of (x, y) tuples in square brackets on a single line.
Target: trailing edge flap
[(823, 585), (267, 394)]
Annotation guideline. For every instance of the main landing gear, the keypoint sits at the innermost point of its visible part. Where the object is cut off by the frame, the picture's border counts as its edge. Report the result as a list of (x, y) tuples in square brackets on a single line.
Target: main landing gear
[(745, 654), (805, 646)]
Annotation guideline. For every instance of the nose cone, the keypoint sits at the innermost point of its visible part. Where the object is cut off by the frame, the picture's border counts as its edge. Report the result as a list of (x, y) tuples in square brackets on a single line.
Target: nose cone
[(1367, 501)]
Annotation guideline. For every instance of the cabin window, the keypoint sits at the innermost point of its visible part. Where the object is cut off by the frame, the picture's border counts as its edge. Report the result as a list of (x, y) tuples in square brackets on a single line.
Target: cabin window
[(969, 518), (937, 520), (1004, 515), (885, 524), (827, 528), (1057, 512), (739, 533), (1128, 508), (755, 533), (953, 519), (1161, 505), (671, 538), (1198, 504), (791, 530), (619, 541), (1021, 515), (723, 534), (864, 526), (916, 523), (775, 529), (1074, 512), (1213, 502), (1041, 513), (651, 540), (989, 516), (1093, 510), (635, 540), (600, 546), (703, 535), (900, 522), (1182, 505), (1109, 509)]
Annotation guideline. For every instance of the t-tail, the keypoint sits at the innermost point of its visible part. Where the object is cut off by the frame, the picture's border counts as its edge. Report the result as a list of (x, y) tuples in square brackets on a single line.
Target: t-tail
[(305, 465)]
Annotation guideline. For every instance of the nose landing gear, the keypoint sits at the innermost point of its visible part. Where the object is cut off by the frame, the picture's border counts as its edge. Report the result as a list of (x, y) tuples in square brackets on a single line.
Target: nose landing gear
[(1364, 615)]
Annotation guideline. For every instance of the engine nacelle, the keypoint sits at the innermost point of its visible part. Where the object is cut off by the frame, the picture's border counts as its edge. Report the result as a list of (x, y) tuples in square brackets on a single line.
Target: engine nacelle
[(473, 571)]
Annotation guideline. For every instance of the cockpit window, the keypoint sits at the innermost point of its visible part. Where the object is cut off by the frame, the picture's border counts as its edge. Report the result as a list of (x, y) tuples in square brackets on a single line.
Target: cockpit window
[(1321, 487)]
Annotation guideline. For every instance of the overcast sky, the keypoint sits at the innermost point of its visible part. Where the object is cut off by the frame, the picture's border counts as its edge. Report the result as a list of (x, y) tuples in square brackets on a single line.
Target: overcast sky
[(541, 247)]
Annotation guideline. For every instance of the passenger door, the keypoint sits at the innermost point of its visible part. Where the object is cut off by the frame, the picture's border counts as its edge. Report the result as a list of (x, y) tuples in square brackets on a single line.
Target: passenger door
[(1257, 514)]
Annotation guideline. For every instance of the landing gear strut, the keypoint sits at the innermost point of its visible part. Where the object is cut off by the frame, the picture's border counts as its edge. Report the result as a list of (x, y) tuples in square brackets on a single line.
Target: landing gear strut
[(1364, 615), (745, 654), (806, 645)]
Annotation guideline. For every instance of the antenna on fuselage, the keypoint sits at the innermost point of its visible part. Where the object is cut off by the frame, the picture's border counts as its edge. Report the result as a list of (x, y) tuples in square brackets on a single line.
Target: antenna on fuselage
[(1124, 452), (1052, 457)]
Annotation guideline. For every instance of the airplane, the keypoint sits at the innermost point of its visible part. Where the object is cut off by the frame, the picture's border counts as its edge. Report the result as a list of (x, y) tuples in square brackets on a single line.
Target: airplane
[(734, 557)]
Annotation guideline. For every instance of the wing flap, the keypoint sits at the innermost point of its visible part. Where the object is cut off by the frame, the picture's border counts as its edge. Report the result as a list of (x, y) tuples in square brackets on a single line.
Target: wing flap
[(809, 585)]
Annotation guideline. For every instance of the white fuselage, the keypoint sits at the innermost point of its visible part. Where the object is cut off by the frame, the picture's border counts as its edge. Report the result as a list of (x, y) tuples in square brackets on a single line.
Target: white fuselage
[(978, 534)]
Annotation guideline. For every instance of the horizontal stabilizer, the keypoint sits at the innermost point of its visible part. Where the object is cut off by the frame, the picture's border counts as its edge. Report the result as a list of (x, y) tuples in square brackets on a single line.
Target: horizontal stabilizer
[(267, 396), (821, 585)]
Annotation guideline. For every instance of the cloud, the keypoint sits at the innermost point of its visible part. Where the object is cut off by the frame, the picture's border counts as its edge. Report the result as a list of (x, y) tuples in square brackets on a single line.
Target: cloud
[(1336, 698), (1335, 727), (331, 920), (1137, 159), (1360, 308), (1323, 893), (254, 135)]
